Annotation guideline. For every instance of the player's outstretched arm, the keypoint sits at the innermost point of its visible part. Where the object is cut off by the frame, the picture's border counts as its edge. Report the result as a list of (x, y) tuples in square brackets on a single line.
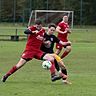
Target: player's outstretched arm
[(68, 30), (27, 31), (59, 31)]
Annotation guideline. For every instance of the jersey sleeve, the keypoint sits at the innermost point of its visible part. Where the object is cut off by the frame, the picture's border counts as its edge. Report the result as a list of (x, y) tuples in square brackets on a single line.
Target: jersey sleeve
[(60, 24), (32, 28), (45, 36)]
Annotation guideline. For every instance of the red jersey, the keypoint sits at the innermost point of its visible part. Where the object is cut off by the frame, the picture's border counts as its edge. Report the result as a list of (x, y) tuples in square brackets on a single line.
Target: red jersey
[(35, 40), (64, 36)]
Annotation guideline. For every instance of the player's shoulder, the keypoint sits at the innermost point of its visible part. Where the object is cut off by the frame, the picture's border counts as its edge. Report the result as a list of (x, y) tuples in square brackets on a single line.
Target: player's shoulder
[(64, 24), (61, 23), (32, 27), (43, 29)]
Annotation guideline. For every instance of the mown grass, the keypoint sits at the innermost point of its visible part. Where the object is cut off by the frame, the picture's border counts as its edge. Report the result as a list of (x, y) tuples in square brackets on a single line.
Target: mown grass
[(33, 80)]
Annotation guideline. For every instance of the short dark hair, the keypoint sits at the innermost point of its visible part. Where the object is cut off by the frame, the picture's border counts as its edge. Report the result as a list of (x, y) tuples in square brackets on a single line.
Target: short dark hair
[(38, 22), (52, 25)]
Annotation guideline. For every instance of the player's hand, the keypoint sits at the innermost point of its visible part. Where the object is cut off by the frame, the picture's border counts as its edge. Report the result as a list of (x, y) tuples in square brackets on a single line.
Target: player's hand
[(64, 31), (36, 31), (68, 30), (68, 43), (47, 42)]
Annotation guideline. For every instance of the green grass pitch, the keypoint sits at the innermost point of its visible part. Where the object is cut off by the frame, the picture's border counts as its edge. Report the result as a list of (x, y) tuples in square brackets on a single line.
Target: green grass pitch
[(33, 80)]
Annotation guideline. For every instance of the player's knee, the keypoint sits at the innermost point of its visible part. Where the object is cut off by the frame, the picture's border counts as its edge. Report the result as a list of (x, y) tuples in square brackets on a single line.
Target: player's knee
[(58, 51), (20, 63), (48, 57), (68, 48)]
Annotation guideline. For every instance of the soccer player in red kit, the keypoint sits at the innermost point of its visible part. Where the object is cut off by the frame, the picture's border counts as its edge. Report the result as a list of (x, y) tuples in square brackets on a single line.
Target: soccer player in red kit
[(63, 32), (32, 50)]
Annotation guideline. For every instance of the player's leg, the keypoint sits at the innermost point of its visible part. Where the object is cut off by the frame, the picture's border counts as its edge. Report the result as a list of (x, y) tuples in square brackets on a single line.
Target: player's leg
[(26, 56), (45, 56), (60, 63), (66, 52), (49, 57), (58, 49), (63, 71), (54, 76), (56, 65), (52, 69), (14, 69)]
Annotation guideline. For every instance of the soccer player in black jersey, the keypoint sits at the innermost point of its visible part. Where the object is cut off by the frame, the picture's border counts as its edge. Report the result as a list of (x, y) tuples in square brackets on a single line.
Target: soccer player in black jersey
[(48, 45)]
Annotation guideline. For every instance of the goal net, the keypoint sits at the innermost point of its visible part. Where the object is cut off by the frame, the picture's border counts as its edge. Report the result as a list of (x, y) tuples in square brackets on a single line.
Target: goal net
[(50, 16)]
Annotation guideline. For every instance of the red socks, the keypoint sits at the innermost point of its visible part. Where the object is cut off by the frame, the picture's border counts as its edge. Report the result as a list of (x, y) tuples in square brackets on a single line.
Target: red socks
[(52, 69), (64, 54), (12, 70)]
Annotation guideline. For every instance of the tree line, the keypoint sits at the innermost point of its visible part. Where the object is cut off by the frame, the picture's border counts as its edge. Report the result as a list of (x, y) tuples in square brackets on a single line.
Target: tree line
[(17, 10)]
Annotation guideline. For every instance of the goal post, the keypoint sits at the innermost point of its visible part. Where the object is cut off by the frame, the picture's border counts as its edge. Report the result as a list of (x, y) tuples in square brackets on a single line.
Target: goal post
[(52, 16), (29, 22)]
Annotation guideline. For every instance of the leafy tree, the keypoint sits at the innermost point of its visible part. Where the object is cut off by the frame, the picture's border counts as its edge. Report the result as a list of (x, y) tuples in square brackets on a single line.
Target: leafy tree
[(23, 7)]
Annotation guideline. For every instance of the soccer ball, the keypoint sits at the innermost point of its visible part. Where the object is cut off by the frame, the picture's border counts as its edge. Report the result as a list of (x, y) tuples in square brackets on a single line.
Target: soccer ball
[(46, 64)]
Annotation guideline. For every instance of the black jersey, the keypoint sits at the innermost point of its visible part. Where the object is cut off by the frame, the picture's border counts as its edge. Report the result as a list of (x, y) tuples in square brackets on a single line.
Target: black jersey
[(49, 48)]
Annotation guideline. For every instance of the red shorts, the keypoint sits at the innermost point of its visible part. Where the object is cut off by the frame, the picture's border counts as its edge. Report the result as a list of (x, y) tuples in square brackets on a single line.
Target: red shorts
[(33, 53), (59, 46)]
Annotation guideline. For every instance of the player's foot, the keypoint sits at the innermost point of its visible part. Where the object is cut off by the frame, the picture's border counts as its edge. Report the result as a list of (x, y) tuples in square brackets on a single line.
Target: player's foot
[(62, 75), (66, 82), (54, 78), (4, 78)]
